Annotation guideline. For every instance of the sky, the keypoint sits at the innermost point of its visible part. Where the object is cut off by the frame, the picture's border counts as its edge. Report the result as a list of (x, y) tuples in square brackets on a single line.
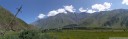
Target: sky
[(39, 9)]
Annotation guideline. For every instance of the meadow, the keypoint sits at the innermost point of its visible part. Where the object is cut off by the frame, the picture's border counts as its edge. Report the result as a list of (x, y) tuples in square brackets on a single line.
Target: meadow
[(65, 34), (88, 34)]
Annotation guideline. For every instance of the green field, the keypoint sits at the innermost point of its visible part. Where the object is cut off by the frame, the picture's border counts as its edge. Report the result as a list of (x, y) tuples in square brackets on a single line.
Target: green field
[(87, 34), (67, 34)]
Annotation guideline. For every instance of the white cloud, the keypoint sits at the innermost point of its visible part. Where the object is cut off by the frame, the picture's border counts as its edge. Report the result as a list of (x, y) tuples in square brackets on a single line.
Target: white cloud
[(107, 5), (41, 16), (91, 11), (97, 8), (125, 2), (61, 10), (55, 12), (69, 8), (82, 10), (52, 13), (102, 7)]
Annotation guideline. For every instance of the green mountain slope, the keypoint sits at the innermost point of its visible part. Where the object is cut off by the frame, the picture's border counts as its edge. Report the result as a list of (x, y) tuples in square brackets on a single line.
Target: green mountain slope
[(114, 19), (6, 17), (60, 20)]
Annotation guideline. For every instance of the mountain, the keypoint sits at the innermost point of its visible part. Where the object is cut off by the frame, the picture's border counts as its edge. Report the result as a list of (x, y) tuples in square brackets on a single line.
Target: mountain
[(6, 17), (60, 20), (115, 19)]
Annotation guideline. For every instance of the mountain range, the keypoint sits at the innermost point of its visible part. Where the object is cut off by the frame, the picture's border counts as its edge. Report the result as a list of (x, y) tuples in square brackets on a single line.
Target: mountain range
[(114, 19)]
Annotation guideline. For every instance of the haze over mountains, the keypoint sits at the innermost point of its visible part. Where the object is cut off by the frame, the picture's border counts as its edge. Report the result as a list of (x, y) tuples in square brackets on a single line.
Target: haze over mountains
[(115, 19)]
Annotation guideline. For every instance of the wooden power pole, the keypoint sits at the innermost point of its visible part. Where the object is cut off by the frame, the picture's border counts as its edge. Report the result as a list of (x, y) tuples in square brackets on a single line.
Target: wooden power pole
[(18, 10)]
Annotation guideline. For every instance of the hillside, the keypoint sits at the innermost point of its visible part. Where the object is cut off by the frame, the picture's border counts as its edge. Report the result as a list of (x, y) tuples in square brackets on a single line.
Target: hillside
[(6, 17), (60, 20), (115, 19)]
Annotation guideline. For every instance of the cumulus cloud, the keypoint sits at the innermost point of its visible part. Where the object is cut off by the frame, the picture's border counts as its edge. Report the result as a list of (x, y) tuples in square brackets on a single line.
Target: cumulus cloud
[(41, 16), (97, 7), (69, 8), (61, 10), (82, 10), (102, 7), (52, 13), (125, 2), (55, 12), (91, 11)]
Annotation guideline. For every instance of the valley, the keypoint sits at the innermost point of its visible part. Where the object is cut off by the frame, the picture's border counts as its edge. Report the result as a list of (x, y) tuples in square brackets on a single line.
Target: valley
[(63, 19)]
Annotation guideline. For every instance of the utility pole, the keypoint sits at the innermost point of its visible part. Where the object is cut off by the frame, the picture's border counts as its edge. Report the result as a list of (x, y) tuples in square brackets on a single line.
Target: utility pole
[(18, 10)]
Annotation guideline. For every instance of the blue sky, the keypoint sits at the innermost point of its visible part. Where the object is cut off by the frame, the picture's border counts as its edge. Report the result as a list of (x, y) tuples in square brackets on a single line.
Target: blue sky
[(34, 9)]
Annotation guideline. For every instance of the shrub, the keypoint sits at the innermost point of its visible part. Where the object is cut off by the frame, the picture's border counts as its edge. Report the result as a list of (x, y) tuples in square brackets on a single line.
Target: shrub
[(29, 34)]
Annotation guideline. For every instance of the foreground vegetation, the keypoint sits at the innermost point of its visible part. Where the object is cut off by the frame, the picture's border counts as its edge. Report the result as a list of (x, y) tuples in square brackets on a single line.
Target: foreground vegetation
[(65, 34), (85, 34), (28, 34)]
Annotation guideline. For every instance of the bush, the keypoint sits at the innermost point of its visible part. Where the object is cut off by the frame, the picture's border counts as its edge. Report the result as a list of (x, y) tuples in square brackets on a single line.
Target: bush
[(29, 34)]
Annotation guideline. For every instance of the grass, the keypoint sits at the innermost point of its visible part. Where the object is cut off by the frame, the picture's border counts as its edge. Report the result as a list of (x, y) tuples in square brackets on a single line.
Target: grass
[(10, 35), (70, 34), (83, 34)]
